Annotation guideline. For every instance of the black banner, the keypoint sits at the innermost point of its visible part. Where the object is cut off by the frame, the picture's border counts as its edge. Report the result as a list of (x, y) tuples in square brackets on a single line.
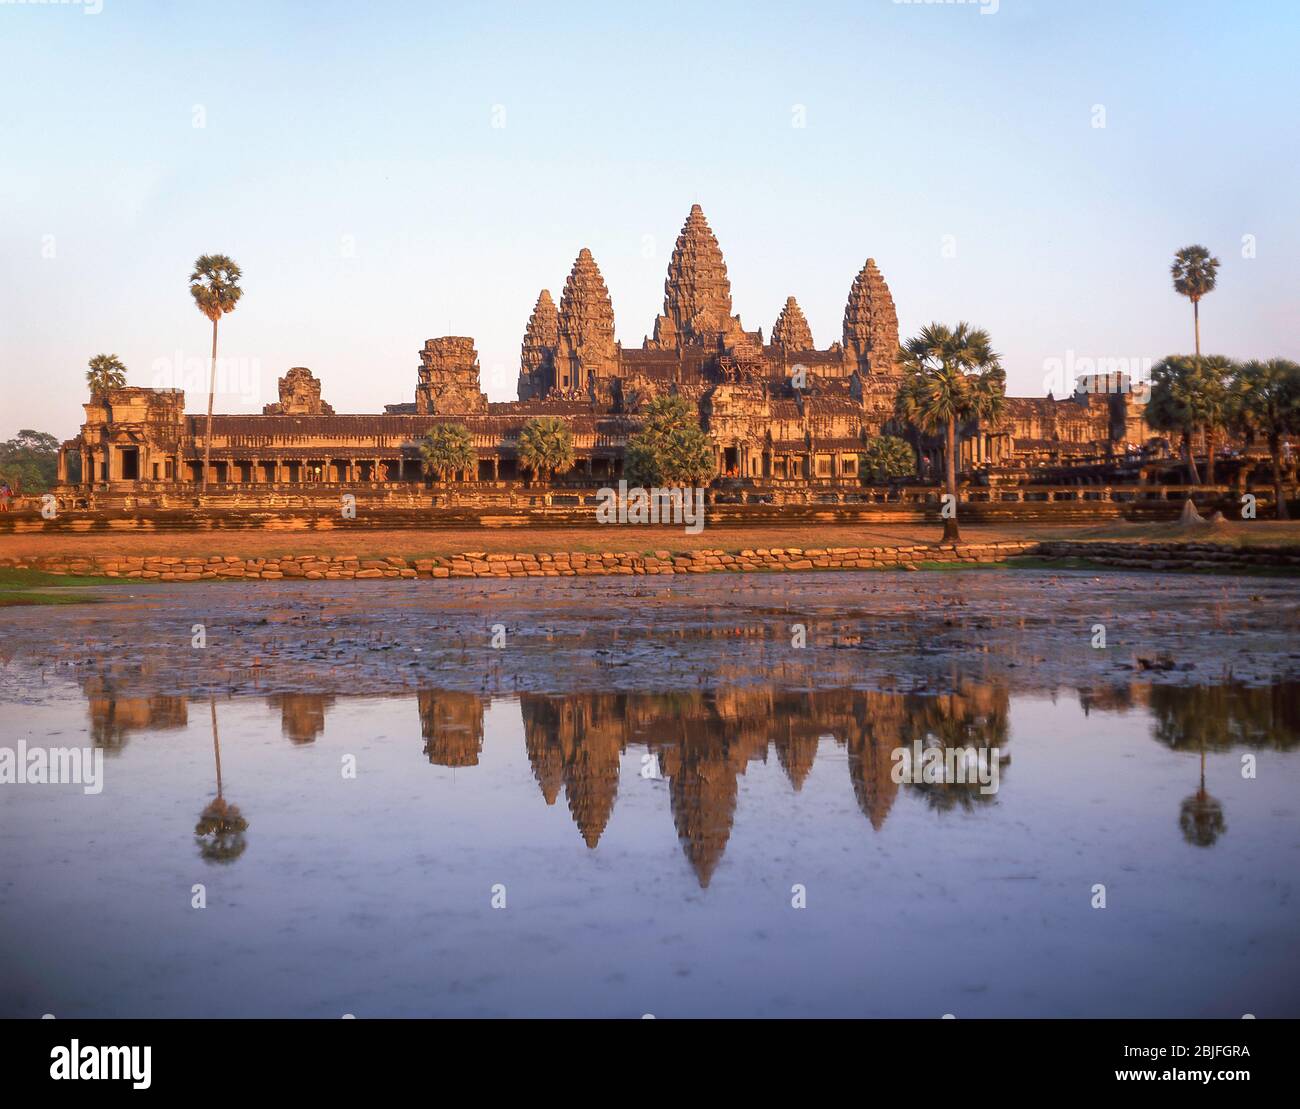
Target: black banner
[(365, 1056)]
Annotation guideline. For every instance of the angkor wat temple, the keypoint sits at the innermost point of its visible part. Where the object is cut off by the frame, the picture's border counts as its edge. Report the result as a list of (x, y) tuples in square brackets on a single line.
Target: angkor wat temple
[(781, 413)]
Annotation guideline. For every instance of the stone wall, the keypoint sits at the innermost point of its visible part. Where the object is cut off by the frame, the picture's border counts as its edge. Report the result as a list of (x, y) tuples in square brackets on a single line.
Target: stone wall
[(479, 564), (1198, 556)]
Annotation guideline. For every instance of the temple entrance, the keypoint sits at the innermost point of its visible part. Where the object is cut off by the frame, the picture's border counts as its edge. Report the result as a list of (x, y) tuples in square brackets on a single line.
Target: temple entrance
[(129, 463)]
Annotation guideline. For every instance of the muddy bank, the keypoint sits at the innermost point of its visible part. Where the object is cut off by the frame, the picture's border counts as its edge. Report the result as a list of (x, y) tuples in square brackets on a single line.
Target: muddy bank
[(884, 630)]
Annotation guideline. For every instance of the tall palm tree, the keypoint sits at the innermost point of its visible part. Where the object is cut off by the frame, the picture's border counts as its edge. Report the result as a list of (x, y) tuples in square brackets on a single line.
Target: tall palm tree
[(214, 285), (1195, 272), (1200, 816), (106, 372), (221, 827), (950, 375), (1267, 402), (546, 446)]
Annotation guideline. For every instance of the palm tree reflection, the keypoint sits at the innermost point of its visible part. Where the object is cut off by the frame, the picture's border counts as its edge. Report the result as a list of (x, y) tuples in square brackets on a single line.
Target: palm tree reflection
[(1201, 816), (219, 833)]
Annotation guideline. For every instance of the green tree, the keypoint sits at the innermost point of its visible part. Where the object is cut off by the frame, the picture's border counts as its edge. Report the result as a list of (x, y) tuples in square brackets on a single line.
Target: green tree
[(1266, 399), (214, 285), (447, 448), (671, 449), (106, 372), (1214, 402), (29, 461), (1179, 403), (887, 456), (546, 446), (950, 375), (1195, 273)]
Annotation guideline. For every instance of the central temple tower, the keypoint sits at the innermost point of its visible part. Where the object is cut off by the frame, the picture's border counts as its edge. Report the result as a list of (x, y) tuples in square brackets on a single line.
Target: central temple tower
[(697, 293)]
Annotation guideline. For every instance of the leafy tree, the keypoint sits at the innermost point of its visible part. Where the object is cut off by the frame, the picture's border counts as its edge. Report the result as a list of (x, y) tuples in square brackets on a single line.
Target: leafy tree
[(29, 461), (214, 285), (106, 372), (887, 456), (671, 449), (546, 446), (1215, 402), (950, 375), (1266, 399), (1195, 273), (1184, 397), (447, 448)]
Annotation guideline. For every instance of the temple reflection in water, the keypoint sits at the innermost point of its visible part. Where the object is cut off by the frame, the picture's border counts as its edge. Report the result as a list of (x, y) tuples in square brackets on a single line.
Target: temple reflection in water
[(701, 742)]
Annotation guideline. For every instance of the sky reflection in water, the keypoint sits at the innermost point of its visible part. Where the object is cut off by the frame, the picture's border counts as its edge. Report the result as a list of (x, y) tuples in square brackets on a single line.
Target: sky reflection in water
[(649, 846)]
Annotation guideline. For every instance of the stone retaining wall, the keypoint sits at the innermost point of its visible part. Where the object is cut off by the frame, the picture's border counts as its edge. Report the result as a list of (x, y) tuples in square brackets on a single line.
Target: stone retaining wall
[(478, 564)]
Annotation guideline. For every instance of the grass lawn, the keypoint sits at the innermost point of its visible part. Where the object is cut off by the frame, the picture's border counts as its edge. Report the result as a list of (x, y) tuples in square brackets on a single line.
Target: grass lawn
[(23, 587)]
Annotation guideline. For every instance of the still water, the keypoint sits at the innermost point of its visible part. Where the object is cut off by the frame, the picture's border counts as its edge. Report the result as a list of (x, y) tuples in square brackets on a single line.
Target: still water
[(728, 852)]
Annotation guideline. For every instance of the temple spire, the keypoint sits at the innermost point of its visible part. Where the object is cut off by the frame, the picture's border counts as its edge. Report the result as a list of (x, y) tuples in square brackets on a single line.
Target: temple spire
[(585, 347), (791, 329), (537, 356), (870, 324), (697, 293)]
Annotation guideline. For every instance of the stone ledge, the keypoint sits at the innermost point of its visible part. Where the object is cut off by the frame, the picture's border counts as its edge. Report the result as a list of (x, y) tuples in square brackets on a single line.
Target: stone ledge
[(477, 564)]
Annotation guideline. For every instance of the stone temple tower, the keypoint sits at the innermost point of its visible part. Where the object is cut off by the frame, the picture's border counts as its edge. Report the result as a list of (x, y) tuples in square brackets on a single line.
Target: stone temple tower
[(870, 324), (585, 348), (537, 357), (697, 293), (791, 330)]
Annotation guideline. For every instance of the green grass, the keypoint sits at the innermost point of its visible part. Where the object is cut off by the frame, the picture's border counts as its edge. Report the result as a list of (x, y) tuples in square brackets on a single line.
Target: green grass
[(21, 587), (26, 579)]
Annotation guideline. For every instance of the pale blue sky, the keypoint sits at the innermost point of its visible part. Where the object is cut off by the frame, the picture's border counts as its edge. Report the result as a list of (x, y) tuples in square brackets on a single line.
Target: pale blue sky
[(337, 127)]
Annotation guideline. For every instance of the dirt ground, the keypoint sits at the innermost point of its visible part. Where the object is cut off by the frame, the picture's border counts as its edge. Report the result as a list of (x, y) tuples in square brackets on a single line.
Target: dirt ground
[(412, 543)]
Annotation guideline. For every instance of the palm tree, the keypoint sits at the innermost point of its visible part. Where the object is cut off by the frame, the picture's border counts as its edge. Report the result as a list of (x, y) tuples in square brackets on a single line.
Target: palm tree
[(950, 375), (1267, 402), (106, 372), (671, 449), (887, 456), (447, 448), (1175, 403), (546, 446), (1200, 816), (1215, 403), (221, 827), (214, 285), (1195, 272)]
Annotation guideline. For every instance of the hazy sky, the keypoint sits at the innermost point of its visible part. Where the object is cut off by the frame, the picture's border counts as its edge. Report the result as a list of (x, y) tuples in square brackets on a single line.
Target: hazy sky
[(389, 172)]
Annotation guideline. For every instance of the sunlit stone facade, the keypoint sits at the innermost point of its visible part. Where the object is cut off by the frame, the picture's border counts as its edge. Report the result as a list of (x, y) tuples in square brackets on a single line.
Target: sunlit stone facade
[(780, 413)]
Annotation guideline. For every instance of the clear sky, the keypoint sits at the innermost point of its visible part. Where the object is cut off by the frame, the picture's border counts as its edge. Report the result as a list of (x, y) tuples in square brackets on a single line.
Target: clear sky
[(352, 158)]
